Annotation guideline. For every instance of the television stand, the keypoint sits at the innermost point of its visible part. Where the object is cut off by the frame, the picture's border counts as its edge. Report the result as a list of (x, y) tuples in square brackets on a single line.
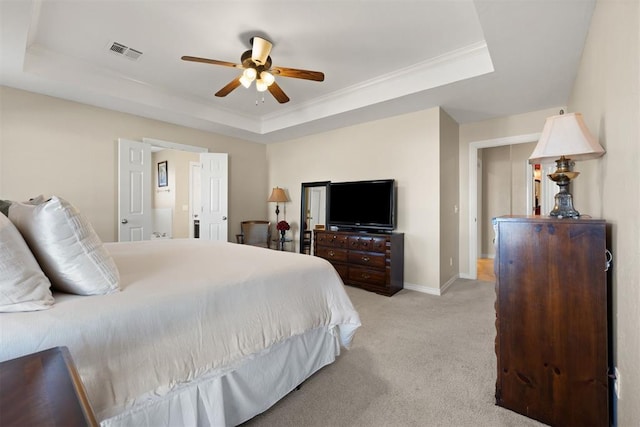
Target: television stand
[(371, 261)]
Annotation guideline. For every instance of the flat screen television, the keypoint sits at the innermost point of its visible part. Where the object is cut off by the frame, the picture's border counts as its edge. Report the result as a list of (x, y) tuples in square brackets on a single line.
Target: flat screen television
[(362, 205)]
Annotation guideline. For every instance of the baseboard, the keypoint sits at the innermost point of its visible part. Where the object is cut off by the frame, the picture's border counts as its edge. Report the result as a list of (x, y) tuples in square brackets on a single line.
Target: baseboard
[(421, 288), (428, 289), (444, 287)]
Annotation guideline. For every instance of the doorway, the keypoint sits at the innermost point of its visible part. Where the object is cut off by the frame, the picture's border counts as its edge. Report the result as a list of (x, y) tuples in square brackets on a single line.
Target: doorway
[(170, 208), (475, 192)]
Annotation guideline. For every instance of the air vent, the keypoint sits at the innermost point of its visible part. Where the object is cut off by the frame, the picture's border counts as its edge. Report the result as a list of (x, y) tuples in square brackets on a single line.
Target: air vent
[(127, 52), (132, 54)]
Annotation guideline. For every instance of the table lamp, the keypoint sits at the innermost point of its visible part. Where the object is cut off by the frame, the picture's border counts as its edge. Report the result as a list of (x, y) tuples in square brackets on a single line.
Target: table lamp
[(565, 137), (279, 196)]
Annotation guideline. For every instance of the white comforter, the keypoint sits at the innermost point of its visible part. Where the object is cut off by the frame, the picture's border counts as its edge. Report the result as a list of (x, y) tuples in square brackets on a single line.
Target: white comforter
[(187, 308)]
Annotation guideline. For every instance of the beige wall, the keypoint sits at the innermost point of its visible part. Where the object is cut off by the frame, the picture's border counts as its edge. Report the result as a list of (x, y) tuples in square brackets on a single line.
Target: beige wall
[(52, 146), (607, 93), (449, 199), (505, 171), (503, 127), (405, 148)]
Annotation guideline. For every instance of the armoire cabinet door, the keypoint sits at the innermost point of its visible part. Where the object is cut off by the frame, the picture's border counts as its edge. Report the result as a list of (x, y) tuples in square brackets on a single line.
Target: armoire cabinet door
[(551, 319)]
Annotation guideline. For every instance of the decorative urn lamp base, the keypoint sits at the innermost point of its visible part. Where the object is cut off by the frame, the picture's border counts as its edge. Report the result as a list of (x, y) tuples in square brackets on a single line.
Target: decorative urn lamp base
[(563, 207)]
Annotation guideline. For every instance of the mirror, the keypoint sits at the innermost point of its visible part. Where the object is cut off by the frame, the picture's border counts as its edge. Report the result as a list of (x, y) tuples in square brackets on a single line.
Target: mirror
[(313, 212)]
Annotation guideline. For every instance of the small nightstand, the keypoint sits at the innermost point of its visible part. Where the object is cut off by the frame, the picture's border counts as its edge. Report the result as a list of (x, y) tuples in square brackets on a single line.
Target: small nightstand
[(43, 388)]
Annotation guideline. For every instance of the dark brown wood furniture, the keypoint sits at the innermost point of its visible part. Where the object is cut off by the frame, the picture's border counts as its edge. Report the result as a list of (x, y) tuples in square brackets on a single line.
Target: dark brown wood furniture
[(43, 389), (551, 319), (371, 261)]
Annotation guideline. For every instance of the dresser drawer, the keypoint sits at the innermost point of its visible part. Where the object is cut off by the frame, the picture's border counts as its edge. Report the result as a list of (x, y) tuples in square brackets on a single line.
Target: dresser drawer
[(361, 274), (368, 243), (333, 240), (332, 254), (342, 269), (370, 259)]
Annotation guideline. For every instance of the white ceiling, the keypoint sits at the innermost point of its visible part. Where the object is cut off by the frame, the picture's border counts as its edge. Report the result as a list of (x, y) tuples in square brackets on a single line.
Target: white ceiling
[(477, 59)]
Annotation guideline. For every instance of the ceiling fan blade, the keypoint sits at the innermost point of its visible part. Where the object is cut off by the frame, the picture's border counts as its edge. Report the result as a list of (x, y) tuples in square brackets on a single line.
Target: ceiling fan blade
[(229, 87), (211, 61), (260, 50), (278, 93), (298, 74)]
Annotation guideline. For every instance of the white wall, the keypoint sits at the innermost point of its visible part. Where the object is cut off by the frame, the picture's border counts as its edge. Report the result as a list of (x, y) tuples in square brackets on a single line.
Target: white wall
[(607, 93), (52, 146), (406, 148)]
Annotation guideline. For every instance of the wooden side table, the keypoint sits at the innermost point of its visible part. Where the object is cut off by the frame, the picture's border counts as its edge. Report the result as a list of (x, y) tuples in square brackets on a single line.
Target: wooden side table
[(43, 388)]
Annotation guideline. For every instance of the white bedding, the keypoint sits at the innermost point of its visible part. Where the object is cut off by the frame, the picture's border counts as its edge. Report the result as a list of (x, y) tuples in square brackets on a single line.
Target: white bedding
[(188, 309)]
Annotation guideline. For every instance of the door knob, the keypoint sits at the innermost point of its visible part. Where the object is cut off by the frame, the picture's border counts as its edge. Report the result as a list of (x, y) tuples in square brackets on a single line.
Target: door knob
[(124, 221), (224, 218)]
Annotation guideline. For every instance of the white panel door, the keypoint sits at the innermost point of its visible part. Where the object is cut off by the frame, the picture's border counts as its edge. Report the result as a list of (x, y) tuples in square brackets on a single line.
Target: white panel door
[(134, 182), (195, 196), (214, 178)]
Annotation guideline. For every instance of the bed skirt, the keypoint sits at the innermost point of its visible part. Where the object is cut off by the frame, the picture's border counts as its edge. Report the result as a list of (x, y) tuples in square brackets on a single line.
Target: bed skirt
[(238, 394)]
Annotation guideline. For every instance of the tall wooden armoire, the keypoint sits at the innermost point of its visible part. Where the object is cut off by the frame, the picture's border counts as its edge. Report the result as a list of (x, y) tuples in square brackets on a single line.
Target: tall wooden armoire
[(552, 319)]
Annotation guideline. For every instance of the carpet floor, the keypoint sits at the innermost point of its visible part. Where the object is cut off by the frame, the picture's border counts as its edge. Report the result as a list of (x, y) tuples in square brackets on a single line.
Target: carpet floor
[(417, 360)]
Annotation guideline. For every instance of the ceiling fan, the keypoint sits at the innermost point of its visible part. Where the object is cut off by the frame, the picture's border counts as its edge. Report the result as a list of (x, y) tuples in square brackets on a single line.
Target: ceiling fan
[(256, 64)]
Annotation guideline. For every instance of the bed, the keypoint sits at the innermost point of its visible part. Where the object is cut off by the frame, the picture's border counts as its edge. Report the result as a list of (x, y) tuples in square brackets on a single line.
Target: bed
[(200, 333)]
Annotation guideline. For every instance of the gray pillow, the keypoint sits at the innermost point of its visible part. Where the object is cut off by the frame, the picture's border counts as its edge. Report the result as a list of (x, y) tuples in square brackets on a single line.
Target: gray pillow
[(4, 207), (23, 285), (67, 247)]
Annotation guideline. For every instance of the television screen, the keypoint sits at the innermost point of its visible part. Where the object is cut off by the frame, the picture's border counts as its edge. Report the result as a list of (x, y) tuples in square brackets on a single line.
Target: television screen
[(362, 204)]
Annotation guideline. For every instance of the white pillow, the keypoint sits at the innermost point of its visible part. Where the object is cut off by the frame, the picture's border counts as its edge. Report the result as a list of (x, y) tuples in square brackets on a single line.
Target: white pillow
[(23, 285), (65, 244)]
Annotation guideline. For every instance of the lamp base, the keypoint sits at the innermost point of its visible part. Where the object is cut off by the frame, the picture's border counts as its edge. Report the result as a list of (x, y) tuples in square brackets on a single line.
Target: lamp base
[(564, 205), (564, 201)]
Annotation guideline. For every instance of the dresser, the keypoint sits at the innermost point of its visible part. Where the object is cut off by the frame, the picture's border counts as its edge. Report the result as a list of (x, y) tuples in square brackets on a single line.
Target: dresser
[(552, 319), (371, 261)]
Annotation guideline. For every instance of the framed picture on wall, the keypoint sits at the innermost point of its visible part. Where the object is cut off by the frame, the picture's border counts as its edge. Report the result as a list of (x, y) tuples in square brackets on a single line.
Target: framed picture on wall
[(162, 174)]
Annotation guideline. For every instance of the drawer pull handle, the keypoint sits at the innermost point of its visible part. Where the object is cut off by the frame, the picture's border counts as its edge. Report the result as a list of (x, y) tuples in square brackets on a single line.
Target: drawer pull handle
[(365, 276), (331, 253), (365, 258)]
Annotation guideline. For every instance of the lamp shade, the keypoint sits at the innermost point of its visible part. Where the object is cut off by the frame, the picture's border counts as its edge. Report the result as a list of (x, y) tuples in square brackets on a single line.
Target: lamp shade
[(566, 135), (278, 195)]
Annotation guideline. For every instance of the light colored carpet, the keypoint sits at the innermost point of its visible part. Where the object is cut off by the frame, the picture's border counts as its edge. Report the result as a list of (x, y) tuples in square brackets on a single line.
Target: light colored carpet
[(418, 360)]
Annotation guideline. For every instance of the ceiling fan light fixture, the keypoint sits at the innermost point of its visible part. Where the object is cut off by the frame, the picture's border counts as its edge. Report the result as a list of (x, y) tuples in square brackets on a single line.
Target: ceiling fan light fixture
[(248, 75), (245, 81), (267, 78), (260, 51), (261, 85)]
